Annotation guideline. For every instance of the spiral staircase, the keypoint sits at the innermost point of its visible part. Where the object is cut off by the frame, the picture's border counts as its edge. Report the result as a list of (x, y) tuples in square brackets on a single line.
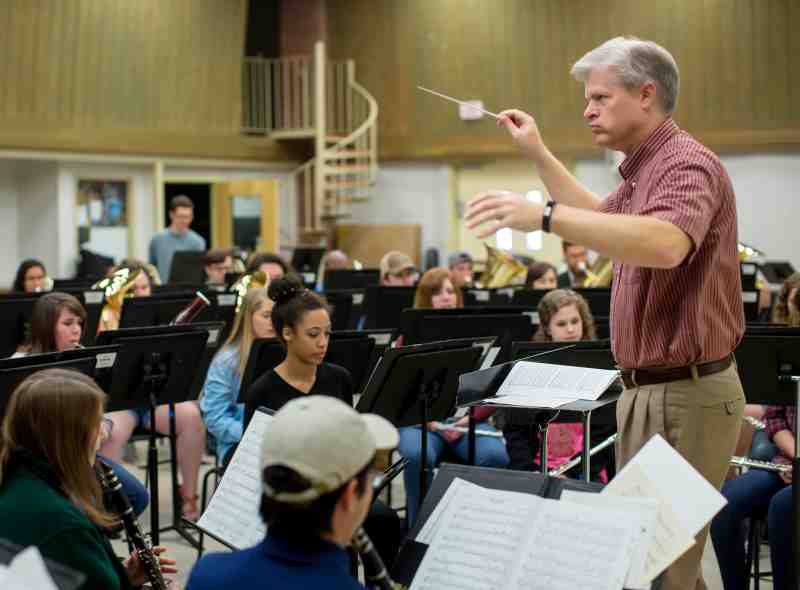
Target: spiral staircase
[(310, 98)]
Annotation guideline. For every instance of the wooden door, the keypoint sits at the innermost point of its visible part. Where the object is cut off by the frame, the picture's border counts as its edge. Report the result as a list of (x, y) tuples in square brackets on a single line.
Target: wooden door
[(246, 214)]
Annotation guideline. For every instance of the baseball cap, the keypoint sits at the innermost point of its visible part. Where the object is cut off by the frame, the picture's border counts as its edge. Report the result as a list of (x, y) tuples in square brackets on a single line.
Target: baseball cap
[(395, 262), (325, 441), (457, 258)]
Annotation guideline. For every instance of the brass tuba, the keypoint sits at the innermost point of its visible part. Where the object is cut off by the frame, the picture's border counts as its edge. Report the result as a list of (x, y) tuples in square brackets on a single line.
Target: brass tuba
[(502, 270), (255, 280)]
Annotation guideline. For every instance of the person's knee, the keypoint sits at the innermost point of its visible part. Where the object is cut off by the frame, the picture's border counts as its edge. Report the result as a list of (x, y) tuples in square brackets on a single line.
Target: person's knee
[(492, 456)]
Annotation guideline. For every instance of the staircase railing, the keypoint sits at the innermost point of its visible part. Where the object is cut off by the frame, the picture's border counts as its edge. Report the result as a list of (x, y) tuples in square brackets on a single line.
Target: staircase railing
[(311, 97)]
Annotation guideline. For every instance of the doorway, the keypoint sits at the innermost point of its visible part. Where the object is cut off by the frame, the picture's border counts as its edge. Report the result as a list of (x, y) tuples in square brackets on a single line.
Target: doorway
[(200, 194)]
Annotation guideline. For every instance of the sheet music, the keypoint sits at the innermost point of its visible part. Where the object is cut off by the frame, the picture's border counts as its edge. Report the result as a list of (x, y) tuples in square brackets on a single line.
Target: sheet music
[(477, 540), (693, 499), (646, 511), (485, 539), (670, 539), (535, 380), (527, 401), (26, 571), (574, 546), (232, 514)]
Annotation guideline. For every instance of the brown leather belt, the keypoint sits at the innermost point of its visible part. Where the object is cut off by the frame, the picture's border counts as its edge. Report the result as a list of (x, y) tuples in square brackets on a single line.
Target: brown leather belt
[(637, 377)]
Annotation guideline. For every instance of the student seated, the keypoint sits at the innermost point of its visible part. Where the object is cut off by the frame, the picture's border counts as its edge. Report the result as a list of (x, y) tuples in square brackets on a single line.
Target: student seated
[(216, 263), (270, 264), (437, 291), (189, 429), (219, 401), (763, 494), (317, 460), (397, 270), (57, 325), (302, 323), (564, 316), (541, 275), (31, 277), (49, 493)]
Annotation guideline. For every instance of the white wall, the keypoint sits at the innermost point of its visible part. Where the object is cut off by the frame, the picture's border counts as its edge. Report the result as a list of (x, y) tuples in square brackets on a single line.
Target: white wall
[(767, 198), (9, 249), (412, 193), (39, 214)]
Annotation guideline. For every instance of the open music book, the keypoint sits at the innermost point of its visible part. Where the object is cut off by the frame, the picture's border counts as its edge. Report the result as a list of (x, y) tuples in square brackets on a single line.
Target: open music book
[(232, 516), (498, 538), (551, 386)]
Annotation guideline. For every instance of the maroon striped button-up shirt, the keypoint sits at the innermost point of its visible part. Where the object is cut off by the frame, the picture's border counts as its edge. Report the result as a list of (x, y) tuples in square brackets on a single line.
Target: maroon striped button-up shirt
[(692, 313)]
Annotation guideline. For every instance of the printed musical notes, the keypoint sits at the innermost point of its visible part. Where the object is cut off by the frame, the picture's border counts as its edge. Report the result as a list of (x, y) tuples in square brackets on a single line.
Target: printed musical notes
[(549, 385), (233, 512), (485, 538)]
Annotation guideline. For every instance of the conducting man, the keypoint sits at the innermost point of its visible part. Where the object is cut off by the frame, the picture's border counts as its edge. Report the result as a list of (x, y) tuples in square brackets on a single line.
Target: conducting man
[(670, 227)]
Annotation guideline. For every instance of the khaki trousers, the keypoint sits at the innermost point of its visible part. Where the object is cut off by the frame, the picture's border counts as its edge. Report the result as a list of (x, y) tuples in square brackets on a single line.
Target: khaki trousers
[(701, 418)]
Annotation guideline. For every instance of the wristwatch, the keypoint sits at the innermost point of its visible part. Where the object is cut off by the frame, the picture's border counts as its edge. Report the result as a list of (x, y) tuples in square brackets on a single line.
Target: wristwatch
[(547, 215)]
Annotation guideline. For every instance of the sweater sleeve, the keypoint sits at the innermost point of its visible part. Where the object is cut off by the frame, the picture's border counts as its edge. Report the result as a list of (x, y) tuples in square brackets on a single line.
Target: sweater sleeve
[(83, 550)]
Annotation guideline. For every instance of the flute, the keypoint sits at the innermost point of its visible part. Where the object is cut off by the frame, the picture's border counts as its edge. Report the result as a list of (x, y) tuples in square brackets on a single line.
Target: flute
[(564, 467), (465, 430)]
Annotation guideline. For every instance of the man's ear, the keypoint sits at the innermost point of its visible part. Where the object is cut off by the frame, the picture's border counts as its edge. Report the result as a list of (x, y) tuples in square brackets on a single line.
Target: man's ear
[(648, 95)]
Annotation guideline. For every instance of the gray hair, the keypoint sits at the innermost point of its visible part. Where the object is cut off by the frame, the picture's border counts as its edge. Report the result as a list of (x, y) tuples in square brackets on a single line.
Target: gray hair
[(636, 62)]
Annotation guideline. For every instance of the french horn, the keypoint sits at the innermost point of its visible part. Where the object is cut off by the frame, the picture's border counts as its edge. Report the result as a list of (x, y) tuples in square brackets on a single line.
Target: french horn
[(502, 270)]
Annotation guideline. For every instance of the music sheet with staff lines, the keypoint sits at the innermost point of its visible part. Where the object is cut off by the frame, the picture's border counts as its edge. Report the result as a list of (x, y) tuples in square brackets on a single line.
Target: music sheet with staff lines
[(493, 538), (232, 515)]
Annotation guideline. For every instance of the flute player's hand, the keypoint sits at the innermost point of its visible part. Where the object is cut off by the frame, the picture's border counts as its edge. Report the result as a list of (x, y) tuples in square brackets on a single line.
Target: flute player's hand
[(523, 130)]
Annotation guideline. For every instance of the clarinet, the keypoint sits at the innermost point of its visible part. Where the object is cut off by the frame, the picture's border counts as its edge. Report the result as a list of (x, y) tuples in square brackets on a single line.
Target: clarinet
[(188, 313), (121, 506), (375, 573)]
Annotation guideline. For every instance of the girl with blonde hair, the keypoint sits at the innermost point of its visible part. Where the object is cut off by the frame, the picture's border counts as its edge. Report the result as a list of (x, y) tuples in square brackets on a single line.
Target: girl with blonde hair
[(223, 415)]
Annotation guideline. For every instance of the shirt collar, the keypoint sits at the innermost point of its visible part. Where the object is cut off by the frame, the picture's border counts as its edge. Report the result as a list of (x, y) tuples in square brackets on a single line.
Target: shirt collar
[(633, 163), (313, 552)]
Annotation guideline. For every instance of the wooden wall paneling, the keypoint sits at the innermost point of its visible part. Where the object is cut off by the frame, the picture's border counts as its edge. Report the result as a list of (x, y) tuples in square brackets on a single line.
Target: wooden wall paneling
[(368, 243), (738, 86)]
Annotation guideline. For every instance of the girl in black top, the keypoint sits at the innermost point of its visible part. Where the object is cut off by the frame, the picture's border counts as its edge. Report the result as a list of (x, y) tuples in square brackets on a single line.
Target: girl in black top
[(302, 322)]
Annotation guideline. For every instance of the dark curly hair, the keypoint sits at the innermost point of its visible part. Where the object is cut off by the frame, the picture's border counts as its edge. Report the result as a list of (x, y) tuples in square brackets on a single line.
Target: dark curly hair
[(292, 302)]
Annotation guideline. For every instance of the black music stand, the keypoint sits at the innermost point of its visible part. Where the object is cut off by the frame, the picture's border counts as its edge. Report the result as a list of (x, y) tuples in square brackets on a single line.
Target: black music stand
[(156, 310), (529, 298), (306, 261), (187, 266), (14, 371), (15, 316), (341, 304), (414, 385), (769, 368), (430, 325), (157, 365), (383, 306), (65, 578), (499, 297), (337, 280)]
